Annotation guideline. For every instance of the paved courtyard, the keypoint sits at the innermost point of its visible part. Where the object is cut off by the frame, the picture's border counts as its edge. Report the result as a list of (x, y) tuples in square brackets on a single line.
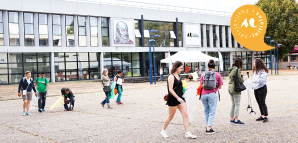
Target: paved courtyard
[(141, 117)]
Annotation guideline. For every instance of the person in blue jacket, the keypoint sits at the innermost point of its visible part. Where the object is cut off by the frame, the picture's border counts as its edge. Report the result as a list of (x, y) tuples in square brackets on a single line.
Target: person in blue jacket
[(25, 87)]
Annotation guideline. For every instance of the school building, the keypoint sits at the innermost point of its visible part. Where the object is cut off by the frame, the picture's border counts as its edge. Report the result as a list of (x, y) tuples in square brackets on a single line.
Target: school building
[(76, 39)]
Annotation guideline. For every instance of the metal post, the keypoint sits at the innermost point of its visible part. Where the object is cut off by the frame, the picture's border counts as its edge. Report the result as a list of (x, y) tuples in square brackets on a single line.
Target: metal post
[(154, 64), (150, 63), (274, 59), (277, 58)]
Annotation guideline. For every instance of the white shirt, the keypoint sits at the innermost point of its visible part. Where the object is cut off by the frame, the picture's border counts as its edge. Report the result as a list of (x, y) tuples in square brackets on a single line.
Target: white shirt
[(161, 71)]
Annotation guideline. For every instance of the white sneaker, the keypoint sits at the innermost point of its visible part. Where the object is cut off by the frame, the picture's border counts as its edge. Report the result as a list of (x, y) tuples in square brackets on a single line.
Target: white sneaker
[(164, 133), (189, 135)]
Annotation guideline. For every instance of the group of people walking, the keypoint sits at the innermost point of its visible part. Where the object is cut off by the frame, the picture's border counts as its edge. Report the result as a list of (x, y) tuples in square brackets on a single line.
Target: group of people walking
[(211, 82)]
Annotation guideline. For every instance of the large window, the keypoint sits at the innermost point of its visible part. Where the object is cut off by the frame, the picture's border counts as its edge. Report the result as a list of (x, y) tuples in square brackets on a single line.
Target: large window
[(43, 30), (82, 31), (137, 34), (247, 58), (202, 36), (233, 41), (220, 36), (14, 37), (128, 62), (57, 30), (3, 69), (227, 36), (94, 31), (76, 66), (105, 32), (29, 29), (207, 35), (215, 38), (293, 58), (69, 31), (164, 30), (158, 56), (1, 30), (180, 34)]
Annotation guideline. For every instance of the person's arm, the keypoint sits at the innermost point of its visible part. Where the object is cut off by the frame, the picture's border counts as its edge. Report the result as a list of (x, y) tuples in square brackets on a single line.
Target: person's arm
[(171, 83), (20, 86), (115, 78), (47, 84), (239, 76)]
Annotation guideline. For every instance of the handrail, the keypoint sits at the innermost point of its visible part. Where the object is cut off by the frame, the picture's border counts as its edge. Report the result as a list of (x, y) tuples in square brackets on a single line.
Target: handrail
[(155, 6)]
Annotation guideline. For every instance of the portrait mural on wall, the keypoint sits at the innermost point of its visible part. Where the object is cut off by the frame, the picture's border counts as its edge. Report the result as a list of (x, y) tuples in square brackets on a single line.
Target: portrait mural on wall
[(123, 32)]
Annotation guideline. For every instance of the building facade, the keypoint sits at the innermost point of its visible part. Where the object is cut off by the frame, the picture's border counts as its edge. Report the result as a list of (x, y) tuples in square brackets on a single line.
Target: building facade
[(76, 40)]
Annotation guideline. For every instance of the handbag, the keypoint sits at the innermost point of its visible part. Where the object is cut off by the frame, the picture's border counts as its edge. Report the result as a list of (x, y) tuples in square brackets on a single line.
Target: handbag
[(107, 89), (238, 86), (165, 98)]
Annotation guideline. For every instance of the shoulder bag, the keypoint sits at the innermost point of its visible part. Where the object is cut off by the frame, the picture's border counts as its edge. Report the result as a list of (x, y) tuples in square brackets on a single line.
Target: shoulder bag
[(238, 86)]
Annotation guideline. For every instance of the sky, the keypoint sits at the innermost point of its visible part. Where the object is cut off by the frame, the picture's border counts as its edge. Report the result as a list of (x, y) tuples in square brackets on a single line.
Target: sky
[(217, 5)]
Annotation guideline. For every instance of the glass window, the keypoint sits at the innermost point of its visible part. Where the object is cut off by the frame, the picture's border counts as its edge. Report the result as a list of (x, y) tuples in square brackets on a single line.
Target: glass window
[(293, 58), (94, 31), (82, 31), (57, 30), (43, 30), (13, 29), (137, 31), (233, 43), (83, 57), (43, 19), (69, 31), (29, 29), (105, 31), (180, 34)]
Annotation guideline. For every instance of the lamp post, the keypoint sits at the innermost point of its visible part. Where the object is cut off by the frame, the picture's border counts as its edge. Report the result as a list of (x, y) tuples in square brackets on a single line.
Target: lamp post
[(150, 60), (154, 42), (278, 46), (270, 54), (274, 56)]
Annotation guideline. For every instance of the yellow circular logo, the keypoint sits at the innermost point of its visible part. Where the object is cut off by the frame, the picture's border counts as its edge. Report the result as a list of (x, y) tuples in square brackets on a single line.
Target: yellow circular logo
[(248, 25)]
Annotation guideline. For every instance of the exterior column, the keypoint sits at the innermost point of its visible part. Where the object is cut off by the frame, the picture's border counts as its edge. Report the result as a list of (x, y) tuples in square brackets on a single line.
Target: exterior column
[(101, 62), (52, 67), (142, 32), (63, 31), (50, 30), (235, 43), (99, 32), (176, 41), (36, 32), (21, 29), (76, 30), (230, 37), (204, 36), (211, 36), (5, 26), (231, 58), (223, 36), (218, 37), (88, 36)]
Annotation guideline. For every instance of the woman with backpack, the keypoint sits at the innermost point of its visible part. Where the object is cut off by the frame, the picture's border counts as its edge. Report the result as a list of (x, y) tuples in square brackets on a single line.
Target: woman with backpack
[(106, 83), (175, 100), (25, 87), (235, 96), (211, 81), (260, 73)]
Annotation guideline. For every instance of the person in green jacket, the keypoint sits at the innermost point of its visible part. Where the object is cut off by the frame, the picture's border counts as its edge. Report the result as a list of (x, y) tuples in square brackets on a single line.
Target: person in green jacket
[(42, 85), (235, 96)]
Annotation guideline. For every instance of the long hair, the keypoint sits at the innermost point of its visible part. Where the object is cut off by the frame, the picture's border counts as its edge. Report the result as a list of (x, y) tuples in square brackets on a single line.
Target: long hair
[(238, 63), (176, 65), (259, 66), (211, 64), (104, 72)]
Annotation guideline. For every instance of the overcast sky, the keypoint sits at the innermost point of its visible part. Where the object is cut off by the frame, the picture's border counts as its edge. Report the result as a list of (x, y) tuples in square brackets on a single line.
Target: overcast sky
[(217, 5)]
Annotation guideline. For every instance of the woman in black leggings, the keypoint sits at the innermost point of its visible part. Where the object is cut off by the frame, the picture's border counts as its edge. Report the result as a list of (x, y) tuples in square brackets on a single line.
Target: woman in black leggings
[(260, 73)]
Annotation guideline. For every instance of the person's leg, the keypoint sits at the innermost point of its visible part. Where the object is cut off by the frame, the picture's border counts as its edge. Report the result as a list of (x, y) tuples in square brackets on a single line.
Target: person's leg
[(262, 95), (24, 105), (172, 111), (204, 100), (232, 115), (119, 94), (66, 107), (183, 110), (212, 108), (105, 100), (108, 98), (44, 99), (27, 105), (72, 101), (258, 100), (237, 98), (39, 100)]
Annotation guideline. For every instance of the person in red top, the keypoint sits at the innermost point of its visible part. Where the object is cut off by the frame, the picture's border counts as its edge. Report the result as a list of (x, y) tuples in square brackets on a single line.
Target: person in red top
[(187, 71)]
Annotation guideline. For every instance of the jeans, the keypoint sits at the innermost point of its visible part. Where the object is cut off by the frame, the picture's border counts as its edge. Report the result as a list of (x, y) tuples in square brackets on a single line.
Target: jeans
[(107, 100), (210, 102), (42, 99), (119, 93), (72, 100), (260, 95), (161, 76), (236, 98)]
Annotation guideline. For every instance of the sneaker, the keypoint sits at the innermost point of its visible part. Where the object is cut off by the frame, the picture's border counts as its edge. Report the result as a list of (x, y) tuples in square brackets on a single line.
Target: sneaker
[(260, 119), (117, 102), (266, 120), (109, 107), (27, 113), (43, 110), (164, 133), (211, 131), (189, 135), (103, 106), (232, 121), (39, 110), (24, 113), (120, 102), (238, 123)]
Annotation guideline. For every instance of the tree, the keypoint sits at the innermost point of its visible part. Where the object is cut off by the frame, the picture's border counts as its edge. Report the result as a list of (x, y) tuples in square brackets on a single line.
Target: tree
[(282, 23)]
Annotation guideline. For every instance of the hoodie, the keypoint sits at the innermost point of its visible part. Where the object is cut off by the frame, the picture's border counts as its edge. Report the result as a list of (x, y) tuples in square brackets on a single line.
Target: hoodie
[(259, 80), (232, 71)]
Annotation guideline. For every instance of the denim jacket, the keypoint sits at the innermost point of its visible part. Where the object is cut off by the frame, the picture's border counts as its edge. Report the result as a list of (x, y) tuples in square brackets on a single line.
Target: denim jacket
[(260, 79)]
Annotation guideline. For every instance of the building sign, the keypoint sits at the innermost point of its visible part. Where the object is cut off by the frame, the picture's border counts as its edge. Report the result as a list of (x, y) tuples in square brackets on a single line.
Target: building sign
[(123, 33), (192, 35)]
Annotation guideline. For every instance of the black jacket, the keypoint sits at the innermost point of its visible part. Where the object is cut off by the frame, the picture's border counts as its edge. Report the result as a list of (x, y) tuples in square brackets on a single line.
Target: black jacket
[(24, 84), (70, 94)]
